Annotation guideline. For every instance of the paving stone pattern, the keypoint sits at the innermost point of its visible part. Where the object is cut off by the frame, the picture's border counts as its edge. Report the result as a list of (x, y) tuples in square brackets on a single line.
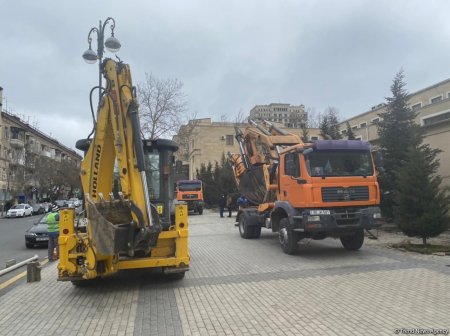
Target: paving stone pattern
[(244, 287)]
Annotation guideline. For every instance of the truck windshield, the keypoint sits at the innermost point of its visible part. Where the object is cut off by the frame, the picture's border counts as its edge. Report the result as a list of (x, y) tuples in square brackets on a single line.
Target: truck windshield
[(189, 186), (339, 163)]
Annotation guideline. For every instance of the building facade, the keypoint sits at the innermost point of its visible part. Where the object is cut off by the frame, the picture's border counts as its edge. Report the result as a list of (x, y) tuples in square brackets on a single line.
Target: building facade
[(206, 141), (285, 114), (432, 105), (20, 146)]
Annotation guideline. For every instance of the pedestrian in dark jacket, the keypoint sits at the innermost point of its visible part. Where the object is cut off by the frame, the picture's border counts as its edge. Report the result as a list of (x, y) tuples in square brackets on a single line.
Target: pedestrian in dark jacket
[(229, 204), (222, 203)]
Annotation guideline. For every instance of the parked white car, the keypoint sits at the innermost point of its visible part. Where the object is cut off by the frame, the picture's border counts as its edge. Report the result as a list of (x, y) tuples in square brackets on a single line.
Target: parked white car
[(76, 202), (20, 210)]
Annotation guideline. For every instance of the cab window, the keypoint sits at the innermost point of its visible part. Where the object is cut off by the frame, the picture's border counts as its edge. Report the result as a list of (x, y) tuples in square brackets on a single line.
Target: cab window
[(292, 165)]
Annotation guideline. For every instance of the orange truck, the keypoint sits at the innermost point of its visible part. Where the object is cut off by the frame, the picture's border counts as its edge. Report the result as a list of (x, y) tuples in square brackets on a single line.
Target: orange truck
[(319, 189), (191, 192)]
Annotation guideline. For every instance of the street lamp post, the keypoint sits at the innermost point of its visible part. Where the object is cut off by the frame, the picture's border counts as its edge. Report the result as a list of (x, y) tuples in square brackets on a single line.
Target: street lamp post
[(112, 44)]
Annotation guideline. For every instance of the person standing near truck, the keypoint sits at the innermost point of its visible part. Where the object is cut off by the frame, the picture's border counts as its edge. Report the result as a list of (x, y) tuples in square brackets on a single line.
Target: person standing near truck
[(222, 203), (53, 232), (229, 204)]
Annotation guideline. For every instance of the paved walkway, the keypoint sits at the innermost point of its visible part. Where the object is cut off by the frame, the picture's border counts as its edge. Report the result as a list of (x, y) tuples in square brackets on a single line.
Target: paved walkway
[(245, 287)]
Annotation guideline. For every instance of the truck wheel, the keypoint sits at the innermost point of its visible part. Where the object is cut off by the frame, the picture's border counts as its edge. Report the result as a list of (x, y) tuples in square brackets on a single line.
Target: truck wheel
[(200, 211), (354, 241), (246, 231), (288, 238)]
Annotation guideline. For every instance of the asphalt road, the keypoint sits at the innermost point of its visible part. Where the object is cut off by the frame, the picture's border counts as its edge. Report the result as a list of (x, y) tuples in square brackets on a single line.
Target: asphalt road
[(12, 243)]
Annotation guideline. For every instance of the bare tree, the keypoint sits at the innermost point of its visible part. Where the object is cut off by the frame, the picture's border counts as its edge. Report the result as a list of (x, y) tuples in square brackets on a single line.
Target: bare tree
[(162, 104), (313, 118), (184, 136), (240, 118)]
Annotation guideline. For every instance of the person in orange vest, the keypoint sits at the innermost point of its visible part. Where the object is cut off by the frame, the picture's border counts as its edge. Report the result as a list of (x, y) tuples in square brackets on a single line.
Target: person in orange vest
[(53, 232)]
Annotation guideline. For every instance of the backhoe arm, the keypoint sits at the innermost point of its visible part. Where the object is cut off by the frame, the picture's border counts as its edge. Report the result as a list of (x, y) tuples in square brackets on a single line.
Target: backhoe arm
[(117, 140)]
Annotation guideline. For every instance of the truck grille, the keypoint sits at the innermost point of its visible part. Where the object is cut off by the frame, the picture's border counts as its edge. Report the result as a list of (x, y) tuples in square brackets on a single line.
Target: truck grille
[(341, 194), (189, 196), (347, 216)]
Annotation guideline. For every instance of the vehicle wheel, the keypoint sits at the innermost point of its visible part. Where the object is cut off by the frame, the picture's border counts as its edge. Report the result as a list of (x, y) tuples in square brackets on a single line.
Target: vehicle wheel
[(84, 283), (28, 245), (246, 231), (175, 276), (354, 241), (200, 211), (288, 238)]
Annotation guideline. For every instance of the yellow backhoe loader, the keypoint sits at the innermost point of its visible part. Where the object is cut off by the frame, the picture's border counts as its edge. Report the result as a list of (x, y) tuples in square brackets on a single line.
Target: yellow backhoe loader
[(124, 228)]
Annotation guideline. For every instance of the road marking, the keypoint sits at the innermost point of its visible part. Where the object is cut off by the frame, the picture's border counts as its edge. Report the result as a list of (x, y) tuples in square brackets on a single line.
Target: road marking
[(18, 277)]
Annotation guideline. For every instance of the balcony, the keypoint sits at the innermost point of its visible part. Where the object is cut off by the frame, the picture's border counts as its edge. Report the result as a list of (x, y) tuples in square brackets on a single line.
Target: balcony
[(17, 143), (17, 162)]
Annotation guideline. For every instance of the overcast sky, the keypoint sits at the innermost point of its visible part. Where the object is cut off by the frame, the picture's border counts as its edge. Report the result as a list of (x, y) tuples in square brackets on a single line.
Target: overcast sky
[(230, 55)]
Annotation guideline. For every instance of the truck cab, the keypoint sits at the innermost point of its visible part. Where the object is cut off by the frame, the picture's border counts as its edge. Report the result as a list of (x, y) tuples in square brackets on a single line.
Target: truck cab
[(191, 192)]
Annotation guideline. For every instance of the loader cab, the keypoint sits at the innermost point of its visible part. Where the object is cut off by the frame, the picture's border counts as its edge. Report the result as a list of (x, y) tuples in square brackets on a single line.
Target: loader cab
[(159, 167)]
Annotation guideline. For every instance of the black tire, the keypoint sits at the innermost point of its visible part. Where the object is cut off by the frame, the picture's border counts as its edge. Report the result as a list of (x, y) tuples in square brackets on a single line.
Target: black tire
[(288, 238), (84, 283), (248, 231), (175, 276), (354, 241), (200, 211), (28, 245)]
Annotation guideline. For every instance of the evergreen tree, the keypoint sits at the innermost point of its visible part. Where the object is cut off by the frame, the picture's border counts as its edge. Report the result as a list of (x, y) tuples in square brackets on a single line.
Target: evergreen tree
[(217, 181), (226, 178), (421, 208), (329, 125), (397, 132), (324, 127), (206, 176), (350, 133)]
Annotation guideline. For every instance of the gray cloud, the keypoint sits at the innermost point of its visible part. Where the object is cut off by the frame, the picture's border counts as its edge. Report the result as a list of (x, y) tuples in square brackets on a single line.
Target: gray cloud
[(230, 55)]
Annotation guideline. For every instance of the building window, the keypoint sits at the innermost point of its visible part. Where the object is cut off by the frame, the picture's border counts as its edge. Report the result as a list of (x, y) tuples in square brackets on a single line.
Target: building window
[(435, 99), (314, 138), (355, 127), (417, 106), (229, 140), (359, 137), (364, 124), (375, 120), (436, 119)]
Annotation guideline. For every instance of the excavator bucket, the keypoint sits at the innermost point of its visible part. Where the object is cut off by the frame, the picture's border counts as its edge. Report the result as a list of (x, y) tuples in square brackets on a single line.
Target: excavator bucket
[(114, 231), (252, 184)]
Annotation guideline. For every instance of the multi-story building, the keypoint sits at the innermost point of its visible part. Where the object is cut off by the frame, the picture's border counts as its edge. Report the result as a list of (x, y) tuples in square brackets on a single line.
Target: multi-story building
[(202, 141), (285, 114), (20, 145), (432, 105), (208, 140)]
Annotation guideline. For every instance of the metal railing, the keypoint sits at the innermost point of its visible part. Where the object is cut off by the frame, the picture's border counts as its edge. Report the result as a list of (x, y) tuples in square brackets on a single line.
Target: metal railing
[(20, 264)]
